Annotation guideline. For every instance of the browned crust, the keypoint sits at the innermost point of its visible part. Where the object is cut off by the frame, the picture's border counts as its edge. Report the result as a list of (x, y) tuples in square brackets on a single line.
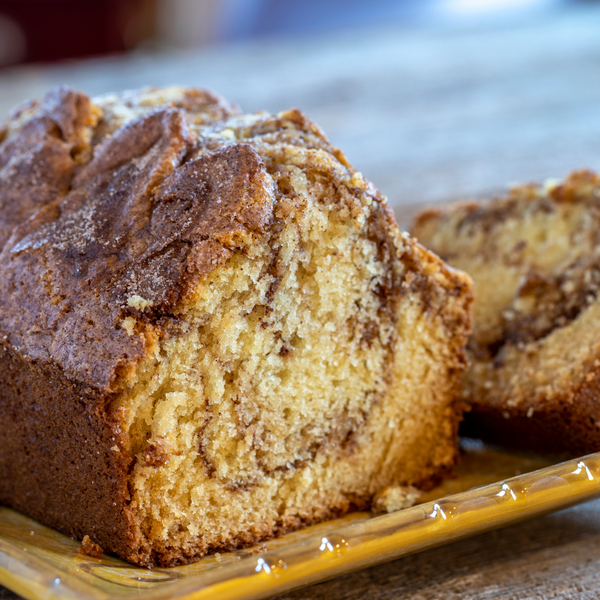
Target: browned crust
[(135, 222), (150, 231), (458, 408), (77, 241), (566, 423), (63, 454), (88, 548), (37, 165), (433, 290), (458, 325)]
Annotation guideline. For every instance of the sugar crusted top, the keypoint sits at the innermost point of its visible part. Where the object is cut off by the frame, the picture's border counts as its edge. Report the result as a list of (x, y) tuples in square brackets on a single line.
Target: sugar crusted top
[(112, 209)]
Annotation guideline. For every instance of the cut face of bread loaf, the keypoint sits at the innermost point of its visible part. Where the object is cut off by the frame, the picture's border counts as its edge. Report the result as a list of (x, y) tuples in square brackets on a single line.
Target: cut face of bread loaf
[(535, 260), (212, 330)]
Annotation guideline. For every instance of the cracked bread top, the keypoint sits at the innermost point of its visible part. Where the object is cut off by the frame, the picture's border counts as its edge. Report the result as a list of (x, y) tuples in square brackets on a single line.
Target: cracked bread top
[(112, 209)]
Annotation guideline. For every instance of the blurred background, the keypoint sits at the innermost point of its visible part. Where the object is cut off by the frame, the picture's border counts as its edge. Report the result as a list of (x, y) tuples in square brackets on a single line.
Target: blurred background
[(431, 99), (51, 30)]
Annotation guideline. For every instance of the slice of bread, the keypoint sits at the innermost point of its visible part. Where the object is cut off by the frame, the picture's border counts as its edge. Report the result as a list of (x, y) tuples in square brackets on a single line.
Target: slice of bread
[(535, 350), (211, 329)]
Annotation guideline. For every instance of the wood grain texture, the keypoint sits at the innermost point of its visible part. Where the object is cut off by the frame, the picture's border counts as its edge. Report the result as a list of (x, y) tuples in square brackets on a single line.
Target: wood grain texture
[(428, 116)]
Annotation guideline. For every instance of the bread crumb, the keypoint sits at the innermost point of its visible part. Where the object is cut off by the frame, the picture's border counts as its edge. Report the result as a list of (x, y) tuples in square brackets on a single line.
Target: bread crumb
[(128, 324), (395, 497), (138, 302), (88, 548)]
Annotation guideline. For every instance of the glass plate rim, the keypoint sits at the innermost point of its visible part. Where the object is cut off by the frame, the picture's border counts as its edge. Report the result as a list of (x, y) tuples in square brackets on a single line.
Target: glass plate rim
[(348, 548)]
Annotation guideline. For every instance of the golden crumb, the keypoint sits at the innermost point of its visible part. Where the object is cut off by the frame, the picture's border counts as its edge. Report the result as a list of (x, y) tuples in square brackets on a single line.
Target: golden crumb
[(393, 498), (535, 260), (138, 302), (240, 341), (128, 324)]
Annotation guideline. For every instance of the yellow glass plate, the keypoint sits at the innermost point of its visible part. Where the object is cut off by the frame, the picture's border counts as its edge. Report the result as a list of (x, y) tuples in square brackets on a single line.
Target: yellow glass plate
[(39, 563)]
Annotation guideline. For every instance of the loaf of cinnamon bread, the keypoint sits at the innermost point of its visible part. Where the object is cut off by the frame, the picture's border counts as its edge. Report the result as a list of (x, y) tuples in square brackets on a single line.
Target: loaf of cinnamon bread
[(534, 381), (211, 329)]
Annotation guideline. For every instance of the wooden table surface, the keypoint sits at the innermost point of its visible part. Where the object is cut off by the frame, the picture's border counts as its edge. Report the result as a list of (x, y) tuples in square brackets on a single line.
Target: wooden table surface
[(428, 115)]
